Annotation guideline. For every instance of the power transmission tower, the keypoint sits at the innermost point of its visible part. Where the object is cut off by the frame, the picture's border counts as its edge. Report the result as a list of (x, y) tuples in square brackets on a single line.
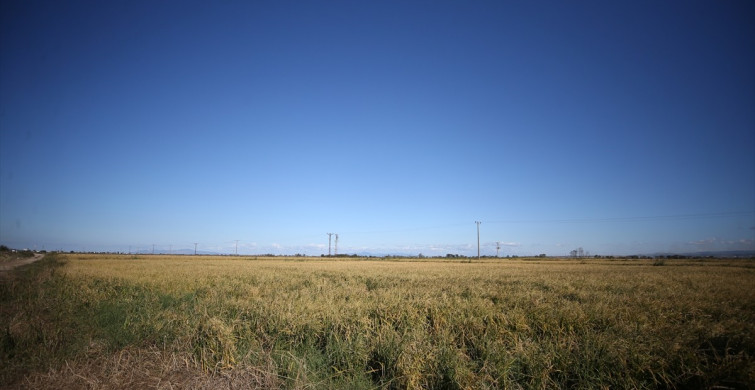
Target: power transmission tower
[(497, 247), (336, 252), (329, 236), (195, 249), (478, 239), (153, 249), (237, 247)]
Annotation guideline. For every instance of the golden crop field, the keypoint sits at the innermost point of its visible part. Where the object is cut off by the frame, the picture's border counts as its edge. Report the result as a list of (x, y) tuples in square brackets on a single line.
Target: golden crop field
[(120, 321)]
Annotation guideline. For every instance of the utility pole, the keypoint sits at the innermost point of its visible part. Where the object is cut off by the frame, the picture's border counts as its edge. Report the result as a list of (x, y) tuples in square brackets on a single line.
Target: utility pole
[(329, 236), (497, 247), (336, 244), (478, 239), (237, 247), (195, 249)]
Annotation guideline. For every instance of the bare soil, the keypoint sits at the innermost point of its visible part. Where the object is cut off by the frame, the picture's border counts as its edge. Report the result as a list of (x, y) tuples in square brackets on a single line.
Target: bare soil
[(7, 266)]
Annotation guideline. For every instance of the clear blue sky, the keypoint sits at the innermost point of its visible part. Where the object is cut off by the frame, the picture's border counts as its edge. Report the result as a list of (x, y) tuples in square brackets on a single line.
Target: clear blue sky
[(619, 127)]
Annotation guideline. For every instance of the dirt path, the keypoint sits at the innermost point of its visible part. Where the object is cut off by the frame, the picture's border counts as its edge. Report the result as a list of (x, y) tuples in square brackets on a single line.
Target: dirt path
[(5, 267)]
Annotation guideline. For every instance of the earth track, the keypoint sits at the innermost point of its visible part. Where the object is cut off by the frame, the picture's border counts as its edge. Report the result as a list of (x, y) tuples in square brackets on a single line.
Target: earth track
[(6, 267)]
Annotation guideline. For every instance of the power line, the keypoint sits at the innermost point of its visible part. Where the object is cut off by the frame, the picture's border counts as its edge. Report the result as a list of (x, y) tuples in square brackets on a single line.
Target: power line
[(404, 230), (478, 239), (651, 218), (625, 219), (329, 236), (672, 217)]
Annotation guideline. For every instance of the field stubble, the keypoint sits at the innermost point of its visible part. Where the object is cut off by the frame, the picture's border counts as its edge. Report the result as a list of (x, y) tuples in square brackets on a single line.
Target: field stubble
[(212, 322)]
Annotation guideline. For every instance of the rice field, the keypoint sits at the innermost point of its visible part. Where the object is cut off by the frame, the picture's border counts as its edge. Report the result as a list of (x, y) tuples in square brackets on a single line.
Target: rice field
[(122, 321)]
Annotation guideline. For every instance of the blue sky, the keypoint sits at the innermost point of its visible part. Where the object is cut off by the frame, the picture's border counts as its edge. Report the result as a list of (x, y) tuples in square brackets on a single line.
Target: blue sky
[(619, 127)]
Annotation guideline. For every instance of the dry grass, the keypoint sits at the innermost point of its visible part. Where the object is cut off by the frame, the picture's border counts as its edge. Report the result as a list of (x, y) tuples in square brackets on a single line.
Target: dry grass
[(6, 255), (146, 368), (228, 322)]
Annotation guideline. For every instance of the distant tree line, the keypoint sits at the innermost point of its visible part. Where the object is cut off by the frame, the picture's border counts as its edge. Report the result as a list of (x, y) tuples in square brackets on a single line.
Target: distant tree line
[(342, 255), (19, 253), (579, 253)]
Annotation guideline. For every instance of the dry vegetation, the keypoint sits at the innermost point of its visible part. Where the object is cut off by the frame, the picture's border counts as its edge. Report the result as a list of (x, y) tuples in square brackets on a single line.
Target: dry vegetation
[(97, 321), (7, 255)]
